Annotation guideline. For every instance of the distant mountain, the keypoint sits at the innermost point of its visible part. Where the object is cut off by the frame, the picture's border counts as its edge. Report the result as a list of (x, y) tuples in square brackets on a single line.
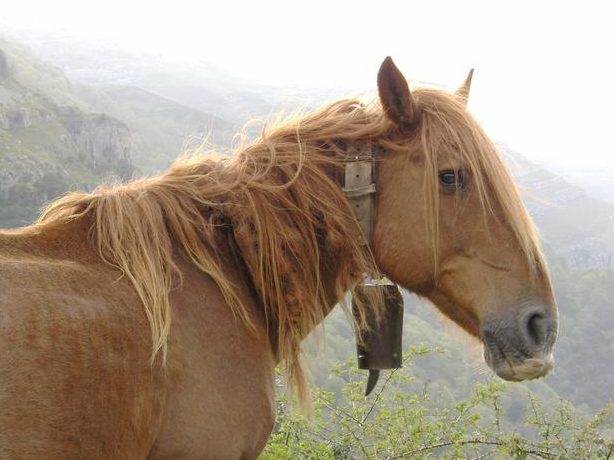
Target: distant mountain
[(161, 128), (57, 135), (198, 84), (49, 141), (576, 227)]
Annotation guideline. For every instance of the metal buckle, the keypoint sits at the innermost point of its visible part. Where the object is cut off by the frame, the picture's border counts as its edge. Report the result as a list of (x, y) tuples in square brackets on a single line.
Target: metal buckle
[(381, 281)]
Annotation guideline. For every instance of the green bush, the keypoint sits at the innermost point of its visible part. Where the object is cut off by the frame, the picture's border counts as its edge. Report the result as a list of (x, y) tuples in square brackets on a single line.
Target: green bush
[(401, 419)]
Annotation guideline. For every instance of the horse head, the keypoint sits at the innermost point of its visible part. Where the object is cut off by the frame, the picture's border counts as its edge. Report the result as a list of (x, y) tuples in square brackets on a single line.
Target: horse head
[(450, 226)]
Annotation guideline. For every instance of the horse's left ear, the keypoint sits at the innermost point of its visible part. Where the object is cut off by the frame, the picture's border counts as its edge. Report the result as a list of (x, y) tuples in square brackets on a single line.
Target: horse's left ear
[(463, 91), (395, 96)]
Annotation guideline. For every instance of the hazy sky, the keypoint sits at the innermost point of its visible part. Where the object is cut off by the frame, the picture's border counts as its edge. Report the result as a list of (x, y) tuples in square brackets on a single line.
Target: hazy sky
[(544, 70)]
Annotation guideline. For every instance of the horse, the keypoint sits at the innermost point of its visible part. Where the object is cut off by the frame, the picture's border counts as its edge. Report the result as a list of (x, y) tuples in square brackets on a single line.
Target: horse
[(145, 319)]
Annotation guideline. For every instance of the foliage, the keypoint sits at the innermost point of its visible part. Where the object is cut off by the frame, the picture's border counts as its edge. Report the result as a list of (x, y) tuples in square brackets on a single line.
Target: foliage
[(403, 420)]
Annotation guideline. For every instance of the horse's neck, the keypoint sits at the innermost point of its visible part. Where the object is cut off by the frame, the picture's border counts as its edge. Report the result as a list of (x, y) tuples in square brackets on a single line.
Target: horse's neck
[(296, 303)]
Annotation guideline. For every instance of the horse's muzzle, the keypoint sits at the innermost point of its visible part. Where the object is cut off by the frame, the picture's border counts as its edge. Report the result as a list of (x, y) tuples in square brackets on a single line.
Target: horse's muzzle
[(519, 347)]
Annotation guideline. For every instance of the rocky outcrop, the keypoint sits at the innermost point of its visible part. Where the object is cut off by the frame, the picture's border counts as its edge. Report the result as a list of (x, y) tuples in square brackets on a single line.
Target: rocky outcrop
[(103, 142), (43, 154), (23, 117)]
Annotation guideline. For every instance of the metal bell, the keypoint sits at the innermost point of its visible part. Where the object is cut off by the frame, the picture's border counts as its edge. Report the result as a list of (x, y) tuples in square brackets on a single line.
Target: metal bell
[(380, 345)]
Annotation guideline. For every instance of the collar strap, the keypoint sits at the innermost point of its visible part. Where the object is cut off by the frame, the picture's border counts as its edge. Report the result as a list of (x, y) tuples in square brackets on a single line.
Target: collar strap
[(359, 189)]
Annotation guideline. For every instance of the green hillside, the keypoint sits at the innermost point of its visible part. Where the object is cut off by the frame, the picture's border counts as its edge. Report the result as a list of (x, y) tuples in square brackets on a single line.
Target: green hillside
[(49, 141), (56, 135)]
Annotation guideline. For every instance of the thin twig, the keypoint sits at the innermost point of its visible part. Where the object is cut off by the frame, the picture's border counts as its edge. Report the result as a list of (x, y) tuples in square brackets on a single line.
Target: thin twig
[(338, 411)]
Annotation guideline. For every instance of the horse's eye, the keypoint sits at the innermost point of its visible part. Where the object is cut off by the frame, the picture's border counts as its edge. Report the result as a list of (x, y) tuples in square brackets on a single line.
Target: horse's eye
[(448, 177), (453, 180)]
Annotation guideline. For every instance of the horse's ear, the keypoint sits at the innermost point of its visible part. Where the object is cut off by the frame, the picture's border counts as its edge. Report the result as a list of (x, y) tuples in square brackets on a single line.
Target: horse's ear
[(463, 91), (395, 96)]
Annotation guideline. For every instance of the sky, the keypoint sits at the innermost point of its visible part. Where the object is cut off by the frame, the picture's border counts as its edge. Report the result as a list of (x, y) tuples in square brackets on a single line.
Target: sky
[(544, 70)]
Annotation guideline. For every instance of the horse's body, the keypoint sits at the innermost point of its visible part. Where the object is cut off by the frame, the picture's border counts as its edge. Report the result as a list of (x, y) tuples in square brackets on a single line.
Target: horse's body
[(75, 344), (250, 255)]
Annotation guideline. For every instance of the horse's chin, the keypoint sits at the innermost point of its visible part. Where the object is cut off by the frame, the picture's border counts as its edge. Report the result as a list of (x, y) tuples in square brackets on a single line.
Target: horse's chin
[(527, 369)]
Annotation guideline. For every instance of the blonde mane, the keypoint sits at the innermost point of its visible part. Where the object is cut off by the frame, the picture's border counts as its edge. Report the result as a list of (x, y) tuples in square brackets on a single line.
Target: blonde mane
[(285, 215)]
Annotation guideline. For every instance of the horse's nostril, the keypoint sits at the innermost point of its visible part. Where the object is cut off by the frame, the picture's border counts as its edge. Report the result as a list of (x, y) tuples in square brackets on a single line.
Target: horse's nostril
[(536, 327)]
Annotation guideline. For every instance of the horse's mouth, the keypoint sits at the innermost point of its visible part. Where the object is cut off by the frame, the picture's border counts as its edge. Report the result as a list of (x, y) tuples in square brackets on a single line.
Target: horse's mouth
[(517, 366), (530, 368)]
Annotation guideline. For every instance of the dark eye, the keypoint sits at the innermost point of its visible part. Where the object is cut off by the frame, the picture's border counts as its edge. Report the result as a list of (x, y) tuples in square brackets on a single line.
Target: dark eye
[(453, 180)]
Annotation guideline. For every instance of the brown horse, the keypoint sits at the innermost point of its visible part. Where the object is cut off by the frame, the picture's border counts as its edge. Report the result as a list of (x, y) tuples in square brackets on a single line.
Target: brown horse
[(145, 320)]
